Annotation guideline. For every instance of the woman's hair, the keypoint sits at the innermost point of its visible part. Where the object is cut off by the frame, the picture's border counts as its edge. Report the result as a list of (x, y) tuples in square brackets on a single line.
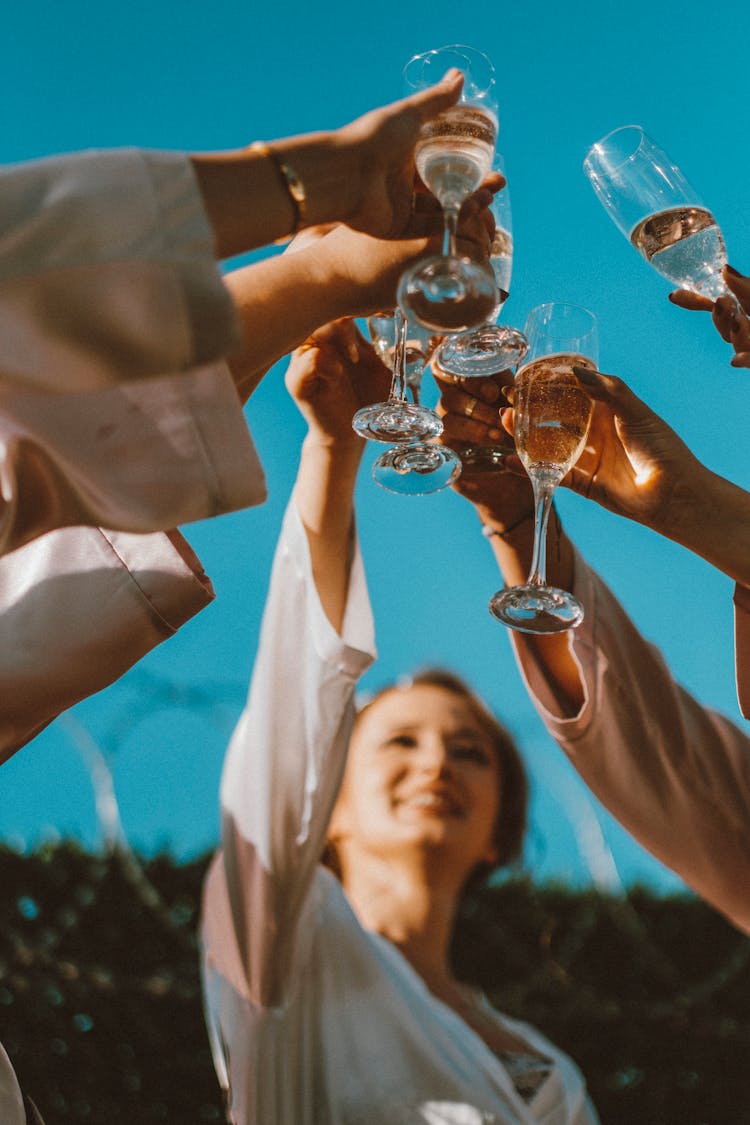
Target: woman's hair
[(510, 826)]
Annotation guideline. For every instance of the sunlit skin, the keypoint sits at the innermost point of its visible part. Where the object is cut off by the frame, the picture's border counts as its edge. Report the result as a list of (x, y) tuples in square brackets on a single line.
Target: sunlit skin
[(416, 816)]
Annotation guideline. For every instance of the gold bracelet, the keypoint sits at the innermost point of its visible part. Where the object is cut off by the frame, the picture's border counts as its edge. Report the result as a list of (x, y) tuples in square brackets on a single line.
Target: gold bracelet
[(293, 185)]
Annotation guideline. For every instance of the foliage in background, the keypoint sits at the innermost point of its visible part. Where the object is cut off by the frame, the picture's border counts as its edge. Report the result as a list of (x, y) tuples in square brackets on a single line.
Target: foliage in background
[(100, 1005)]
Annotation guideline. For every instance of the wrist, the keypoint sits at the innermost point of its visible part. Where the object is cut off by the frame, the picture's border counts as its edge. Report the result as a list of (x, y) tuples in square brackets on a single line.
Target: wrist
[(323, 166)]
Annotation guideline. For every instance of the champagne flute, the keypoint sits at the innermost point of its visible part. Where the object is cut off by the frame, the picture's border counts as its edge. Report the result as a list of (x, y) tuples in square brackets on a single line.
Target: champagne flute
[(448, 291), (397, 419), (656, 208), (492, 347), (552, 417), (414, 468)]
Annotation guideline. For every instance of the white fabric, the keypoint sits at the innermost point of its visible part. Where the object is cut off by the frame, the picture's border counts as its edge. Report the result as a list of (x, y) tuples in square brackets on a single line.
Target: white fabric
[(313, 1020), (78, 607), (11, 1103), (674, 773), (108, 291)]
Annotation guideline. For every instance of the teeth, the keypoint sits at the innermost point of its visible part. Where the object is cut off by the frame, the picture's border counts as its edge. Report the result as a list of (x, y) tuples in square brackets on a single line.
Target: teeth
[(430, 801)]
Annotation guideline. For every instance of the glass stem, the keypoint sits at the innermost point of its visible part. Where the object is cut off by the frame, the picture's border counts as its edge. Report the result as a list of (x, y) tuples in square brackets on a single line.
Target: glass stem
[(451, 211), (397, 392), (544, 490)]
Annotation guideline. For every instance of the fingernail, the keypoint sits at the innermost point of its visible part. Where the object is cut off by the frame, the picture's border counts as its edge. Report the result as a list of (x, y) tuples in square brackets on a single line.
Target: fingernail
[(452, 74), (353, 351)]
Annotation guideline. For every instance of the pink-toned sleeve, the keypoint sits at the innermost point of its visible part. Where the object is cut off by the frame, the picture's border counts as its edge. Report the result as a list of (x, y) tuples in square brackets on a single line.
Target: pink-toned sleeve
[(107, 271), (675, 773), (139, 457), (78, 607), (742, 647)]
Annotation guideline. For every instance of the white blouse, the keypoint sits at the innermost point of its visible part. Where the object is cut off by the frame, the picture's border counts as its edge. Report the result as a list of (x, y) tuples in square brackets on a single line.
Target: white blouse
[(314, 1020)]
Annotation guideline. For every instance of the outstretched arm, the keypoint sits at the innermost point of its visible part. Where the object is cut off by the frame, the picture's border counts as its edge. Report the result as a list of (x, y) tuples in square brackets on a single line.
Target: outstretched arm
[(676, 774), (284, 763)]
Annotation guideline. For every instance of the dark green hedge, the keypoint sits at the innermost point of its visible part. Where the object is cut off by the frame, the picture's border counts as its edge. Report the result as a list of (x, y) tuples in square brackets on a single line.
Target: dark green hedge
[(100, 1006)]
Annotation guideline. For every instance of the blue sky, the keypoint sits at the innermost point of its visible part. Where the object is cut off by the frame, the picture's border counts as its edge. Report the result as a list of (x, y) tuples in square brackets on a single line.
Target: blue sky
[(196, 76)]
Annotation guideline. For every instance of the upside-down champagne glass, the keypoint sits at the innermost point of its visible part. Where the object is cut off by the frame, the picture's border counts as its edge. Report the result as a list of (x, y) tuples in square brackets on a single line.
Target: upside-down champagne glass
[(492, 347), (552, 417), (397, 419), (411, 468), (651, 201), (450, 292)]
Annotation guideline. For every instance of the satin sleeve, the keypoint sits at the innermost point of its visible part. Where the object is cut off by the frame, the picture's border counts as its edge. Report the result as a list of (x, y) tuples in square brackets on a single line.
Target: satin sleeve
[(282, 772), (107, 271), (676, 774), (78, 607)]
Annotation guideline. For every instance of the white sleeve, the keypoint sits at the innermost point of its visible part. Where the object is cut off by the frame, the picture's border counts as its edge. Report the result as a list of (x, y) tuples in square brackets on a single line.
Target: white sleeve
[(674, 773), (283, 770), (11, 1102), (77, 608), (107, 271), (138, 457)]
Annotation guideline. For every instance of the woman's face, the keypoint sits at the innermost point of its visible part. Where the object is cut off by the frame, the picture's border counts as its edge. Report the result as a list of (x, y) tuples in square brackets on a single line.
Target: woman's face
[(422, 771)]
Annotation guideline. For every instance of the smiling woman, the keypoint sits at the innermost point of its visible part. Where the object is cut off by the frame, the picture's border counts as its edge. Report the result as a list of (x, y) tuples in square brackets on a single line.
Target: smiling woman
[(332, 999)]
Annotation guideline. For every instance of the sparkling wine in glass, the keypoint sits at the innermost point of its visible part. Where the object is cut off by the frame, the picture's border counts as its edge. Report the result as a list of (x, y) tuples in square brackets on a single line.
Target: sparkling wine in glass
[(449, 291), (651, 201), (552, 418), (397, 419)]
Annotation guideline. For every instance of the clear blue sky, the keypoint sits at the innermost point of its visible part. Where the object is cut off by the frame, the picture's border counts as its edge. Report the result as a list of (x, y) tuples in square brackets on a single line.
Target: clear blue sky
[(210, 76)]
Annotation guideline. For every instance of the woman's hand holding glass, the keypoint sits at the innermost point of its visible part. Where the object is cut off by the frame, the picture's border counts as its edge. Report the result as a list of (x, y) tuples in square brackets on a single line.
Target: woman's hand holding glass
[(330, 375), (731, 314)]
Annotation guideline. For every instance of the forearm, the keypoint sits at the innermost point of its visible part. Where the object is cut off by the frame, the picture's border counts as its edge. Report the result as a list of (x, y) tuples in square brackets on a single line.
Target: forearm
[(279, 302), (713, 521), (324, 495), (247, 202)]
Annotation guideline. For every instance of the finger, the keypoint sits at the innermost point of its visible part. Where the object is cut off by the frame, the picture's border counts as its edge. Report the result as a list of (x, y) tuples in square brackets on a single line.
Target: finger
[(615, 392), (686, 299), (741, 359), (455, 389), (426, 104), (739, 285), (725, 317)]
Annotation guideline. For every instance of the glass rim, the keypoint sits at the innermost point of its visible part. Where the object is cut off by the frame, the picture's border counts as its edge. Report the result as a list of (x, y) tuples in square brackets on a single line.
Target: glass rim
[(563, 304), (588, 162), (459, 48)]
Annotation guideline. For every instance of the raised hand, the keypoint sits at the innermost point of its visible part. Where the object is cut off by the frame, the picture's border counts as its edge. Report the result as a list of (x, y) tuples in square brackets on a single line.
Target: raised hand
[(330, 376), (633, 462), (731, 324), (380, 149), (473, 417)]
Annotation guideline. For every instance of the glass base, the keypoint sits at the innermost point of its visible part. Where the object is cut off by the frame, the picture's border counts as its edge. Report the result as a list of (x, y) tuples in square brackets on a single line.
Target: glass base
[(485, 458), (415, 470), (537, 609), (485, 351), (448, 294), (396, 421)]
